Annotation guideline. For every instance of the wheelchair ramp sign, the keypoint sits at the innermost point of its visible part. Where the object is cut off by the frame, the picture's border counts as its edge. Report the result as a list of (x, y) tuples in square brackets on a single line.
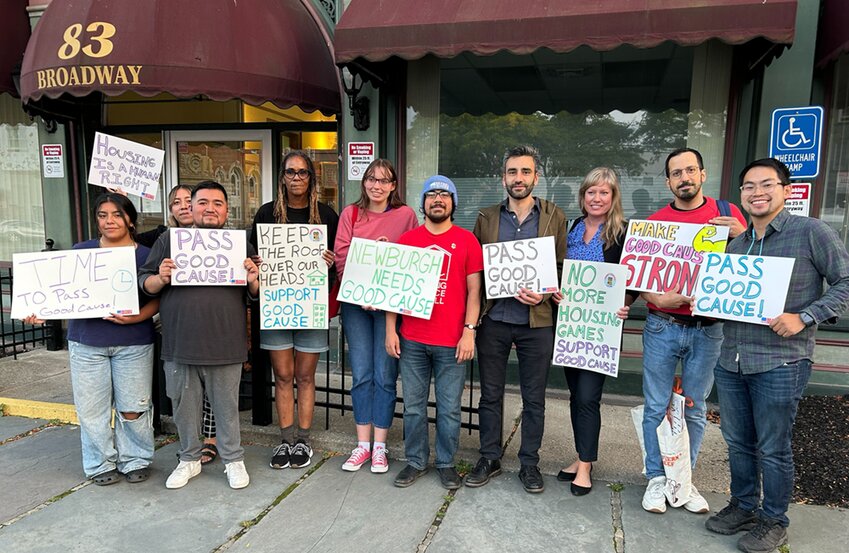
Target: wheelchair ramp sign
[(795, 138)]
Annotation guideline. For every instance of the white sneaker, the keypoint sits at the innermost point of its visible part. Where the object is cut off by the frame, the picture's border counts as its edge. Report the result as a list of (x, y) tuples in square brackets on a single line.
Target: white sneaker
[(696, 503), (654, 500), (181, 475), (237, 475)]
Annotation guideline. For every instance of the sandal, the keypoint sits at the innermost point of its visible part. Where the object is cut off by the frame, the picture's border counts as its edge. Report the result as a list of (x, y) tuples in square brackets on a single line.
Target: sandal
[(106, 478), (210, 452), (138, 475)]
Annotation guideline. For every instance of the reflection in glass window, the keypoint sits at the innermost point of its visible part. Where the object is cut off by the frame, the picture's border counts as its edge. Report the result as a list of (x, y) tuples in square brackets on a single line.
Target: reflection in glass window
[(836, 191)]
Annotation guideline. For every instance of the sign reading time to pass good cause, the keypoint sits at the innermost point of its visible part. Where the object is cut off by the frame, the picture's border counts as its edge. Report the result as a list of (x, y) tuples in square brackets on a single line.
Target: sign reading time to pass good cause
[(588, 332), (208, 257), (663, 256), (746, 288), (130, 166), (75, 284), (293, 277), (391, 277), (508, 266)]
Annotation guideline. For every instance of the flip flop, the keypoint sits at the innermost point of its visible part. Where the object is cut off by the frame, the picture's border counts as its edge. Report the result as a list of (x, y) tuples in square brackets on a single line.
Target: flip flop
[(210, 451), (138, 475), (107, 478)]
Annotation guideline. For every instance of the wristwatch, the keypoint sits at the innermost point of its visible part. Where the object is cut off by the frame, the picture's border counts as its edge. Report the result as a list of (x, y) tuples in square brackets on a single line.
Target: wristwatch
[(470, 326), (807, 320)]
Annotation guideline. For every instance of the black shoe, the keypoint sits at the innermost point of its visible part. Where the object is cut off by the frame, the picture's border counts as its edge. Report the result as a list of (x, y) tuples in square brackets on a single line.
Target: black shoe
[(280, 457), (731, 519), (564, 476), (582, 490), (531, 479), (300, 455), (483, 471), (449, 478), (767, 536), (408, 476)]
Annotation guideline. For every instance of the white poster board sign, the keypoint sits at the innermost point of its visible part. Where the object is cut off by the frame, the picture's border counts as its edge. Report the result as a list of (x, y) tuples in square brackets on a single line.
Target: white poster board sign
[(508, 266), (662, 256), (130, 166), (745, 288), (587, 331), (75, 284), (208, 257), (360, 155), (293, 277), (391, 277)]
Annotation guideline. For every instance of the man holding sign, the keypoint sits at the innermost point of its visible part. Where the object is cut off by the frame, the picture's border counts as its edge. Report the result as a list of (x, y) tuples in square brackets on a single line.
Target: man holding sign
[(763, 370), (204, 343)]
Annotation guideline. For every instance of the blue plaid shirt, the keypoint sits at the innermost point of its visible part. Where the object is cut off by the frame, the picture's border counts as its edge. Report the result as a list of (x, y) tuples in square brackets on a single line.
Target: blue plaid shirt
[(820, 255)]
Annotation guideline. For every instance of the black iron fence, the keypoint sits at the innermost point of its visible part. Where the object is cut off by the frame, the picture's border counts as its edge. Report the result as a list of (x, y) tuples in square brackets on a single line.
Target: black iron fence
[(16, 336)]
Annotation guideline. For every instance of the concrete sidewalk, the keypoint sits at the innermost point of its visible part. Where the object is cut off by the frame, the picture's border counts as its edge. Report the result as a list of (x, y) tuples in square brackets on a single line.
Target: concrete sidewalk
[(47, 505)]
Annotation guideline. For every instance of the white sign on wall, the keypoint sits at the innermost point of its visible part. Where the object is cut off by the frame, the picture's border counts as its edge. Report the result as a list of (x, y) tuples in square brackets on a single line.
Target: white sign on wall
[(52, 162), (360, 155), (208, 257), (799, 202)]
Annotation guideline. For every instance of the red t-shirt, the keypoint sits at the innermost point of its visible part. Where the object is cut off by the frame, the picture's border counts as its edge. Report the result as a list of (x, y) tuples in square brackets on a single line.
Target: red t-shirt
[(699, 216), (463, 257)]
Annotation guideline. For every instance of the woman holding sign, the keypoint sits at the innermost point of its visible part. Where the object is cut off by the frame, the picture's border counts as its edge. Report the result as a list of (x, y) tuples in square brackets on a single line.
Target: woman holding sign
[(112, 366), (596, 236), (294, 353), (379, 214)]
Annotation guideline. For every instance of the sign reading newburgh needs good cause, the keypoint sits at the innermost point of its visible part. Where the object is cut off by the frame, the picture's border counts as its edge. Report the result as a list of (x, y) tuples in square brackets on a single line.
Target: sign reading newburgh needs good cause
[(120, 163), (293, 277), (391, 277), (208, 257), (75, 284), (508, 266), (746, 288), (663, 256), (588, 332)]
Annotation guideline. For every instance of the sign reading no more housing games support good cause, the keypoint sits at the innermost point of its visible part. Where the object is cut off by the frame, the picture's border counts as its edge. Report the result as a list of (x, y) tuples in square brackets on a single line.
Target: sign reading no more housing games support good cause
[(587, 333), (391, 277), (130, 166), (293, 278), (745, 288), (508, 266), (208, 257), (663, 256), (75, 284)]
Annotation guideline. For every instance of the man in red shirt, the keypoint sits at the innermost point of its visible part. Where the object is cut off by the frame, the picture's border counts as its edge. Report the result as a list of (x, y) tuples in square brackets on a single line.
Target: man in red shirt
[(442, 345), (672, 333)]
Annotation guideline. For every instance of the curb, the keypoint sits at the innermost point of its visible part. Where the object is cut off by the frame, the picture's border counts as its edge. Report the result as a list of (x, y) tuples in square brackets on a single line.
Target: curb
[(62, 412)]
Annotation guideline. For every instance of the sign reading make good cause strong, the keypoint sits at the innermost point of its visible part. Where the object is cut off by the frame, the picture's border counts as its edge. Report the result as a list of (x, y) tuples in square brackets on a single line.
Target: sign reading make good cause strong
[(120, 163), (208, 257), (391, 277), (508, 266), (75, 284), (663, 256), (293, 277)]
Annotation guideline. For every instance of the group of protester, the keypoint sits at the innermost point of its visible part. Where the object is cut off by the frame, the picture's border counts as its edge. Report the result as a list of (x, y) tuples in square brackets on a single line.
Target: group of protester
[(760, 370)]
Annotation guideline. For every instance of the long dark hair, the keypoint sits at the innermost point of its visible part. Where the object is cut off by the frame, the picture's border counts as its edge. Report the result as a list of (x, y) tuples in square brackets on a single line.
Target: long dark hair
[(282, 201), (125, 208), (395, 200)]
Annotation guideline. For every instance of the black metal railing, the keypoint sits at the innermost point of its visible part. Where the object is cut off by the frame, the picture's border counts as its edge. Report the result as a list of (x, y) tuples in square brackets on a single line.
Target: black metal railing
[(16, 336)]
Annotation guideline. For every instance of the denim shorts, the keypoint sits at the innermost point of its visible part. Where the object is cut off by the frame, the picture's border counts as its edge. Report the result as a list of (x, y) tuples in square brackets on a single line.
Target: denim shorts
[(307, 340)]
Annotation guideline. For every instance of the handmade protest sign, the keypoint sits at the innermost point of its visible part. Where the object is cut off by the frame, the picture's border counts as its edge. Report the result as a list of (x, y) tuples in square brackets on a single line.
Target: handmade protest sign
[(130, 166), (293, 276), (745, 288), (588, 333), (208, 257), (75, 284), (508, 266), (662, 256), (391, 277)]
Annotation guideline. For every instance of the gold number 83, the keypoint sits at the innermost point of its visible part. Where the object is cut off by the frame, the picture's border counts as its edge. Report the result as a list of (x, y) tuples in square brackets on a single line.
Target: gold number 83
[(71, 46)]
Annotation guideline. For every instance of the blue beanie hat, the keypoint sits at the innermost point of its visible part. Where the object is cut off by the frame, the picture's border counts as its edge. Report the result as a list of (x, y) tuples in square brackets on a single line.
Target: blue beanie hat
[(438, 182)]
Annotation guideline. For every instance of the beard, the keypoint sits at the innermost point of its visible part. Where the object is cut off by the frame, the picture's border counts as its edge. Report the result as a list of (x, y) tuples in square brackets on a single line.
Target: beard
[(437, 218), (520, 195), (688, 194)]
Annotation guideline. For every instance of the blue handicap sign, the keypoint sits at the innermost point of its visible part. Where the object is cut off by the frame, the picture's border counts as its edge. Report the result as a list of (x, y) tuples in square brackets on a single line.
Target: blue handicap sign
[(795, 139)]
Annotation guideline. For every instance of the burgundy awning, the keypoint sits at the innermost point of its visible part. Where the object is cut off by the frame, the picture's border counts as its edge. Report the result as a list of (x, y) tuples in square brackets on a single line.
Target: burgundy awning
[(255, 50), (14, 33), (378, 29), (833, 38)]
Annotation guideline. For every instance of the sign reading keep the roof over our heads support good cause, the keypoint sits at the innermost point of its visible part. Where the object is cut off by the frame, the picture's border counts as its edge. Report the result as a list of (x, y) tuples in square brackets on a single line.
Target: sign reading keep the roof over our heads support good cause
[(130, 166)]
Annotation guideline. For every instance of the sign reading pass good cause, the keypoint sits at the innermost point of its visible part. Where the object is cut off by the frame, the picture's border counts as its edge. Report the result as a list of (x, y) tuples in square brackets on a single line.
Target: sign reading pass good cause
[(663, 256), (746, 288), (75, 284), (208, 257), (508, 266), (293, 277), (391, 277), (130, 166), (588, 332)]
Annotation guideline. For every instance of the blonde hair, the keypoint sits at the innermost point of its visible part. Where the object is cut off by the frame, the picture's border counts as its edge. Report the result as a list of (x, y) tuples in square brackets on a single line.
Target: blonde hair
[(615, 224), (172, 221)]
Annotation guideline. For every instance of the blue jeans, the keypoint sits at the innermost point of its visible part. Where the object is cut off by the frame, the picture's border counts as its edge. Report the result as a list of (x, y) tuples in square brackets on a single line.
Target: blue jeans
[(758, 412), (374, 372), (418, 361), (664, 344), (106, 377)]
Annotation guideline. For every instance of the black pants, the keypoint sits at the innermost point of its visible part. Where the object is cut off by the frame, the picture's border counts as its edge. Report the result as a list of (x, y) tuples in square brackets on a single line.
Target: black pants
[(585, 406), (534, 349)]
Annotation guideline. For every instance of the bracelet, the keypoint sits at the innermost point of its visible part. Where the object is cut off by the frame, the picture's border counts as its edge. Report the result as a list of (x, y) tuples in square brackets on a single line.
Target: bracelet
[(470, 326)]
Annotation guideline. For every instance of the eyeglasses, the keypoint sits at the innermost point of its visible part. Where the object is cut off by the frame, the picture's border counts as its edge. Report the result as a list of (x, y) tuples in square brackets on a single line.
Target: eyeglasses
[(691, 172), (371, 180), (300, 173), (433, 194), (750, 187)]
